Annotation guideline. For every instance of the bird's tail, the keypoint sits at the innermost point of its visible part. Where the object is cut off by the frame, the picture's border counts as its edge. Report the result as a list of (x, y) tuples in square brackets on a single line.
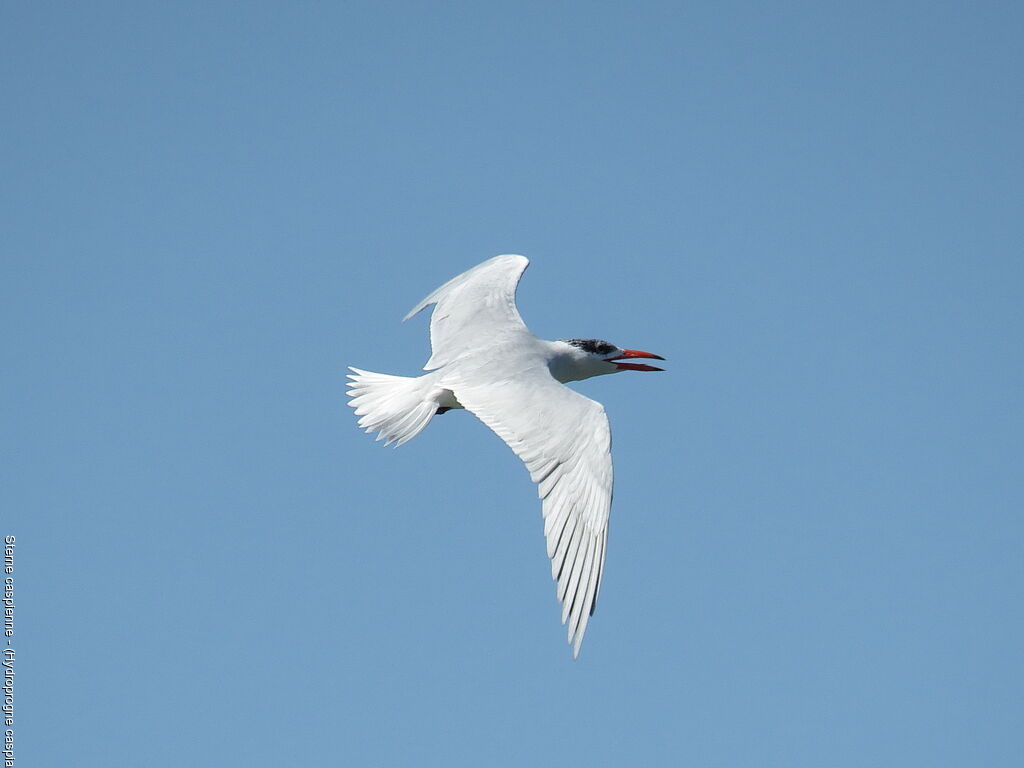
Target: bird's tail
[(399, 407)]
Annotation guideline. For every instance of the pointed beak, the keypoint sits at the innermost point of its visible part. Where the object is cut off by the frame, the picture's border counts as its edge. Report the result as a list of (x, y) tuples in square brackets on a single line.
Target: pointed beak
[(633, 353)]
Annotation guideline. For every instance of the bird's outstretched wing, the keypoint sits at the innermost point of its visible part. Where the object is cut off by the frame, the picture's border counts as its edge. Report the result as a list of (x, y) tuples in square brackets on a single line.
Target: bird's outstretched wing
[(475, 310), (565, 442)]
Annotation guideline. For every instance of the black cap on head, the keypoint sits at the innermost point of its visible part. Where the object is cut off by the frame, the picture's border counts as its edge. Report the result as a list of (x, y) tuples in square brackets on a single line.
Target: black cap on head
[(593, 346)]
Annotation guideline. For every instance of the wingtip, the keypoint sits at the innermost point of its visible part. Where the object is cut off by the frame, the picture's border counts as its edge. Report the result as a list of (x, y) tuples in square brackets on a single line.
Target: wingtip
[(516, 256)]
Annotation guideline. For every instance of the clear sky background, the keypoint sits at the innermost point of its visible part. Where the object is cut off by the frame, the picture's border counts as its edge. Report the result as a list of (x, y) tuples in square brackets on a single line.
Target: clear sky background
[(814, 210)]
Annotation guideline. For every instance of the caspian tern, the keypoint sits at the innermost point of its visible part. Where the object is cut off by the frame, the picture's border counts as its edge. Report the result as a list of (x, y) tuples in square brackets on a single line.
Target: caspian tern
[(484, 359)]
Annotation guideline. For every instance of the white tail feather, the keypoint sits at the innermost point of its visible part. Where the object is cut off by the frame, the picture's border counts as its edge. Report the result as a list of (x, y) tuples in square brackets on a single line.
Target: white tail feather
[(399, 407)]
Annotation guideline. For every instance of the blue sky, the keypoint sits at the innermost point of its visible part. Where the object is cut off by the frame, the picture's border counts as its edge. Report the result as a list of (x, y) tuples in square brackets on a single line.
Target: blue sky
[(813, 210)]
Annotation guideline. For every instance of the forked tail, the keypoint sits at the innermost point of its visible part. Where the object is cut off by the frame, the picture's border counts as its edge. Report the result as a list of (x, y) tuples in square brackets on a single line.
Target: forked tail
[(399, 407)]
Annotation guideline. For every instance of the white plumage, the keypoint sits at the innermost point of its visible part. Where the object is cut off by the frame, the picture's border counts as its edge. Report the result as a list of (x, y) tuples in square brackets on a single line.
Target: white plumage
[(484, 359)]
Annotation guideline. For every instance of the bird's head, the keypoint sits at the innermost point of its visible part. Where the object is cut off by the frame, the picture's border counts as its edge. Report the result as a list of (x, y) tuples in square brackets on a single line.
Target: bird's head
[(583, 358)]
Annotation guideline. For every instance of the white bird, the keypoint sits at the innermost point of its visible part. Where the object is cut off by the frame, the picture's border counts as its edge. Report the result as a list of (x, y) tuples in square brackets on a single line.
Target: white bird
[(484, 359)]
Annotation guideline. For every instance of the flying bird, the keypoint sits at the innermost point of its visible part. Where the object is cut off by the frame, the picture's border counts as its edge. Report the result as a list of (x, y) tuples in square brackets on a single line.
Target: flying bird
[(485, 360)]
